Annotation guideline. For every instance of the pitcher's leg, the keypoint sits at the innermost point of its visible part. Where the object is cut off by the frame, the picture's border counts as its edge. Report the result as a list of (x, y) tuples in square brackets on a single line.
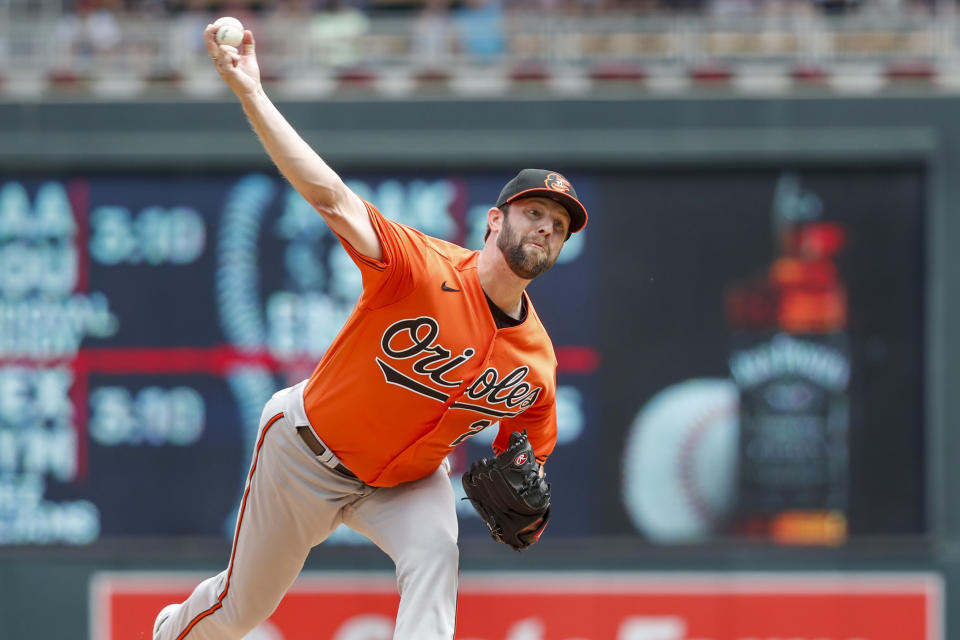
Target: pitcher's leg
[(416, 525), (284, 512)]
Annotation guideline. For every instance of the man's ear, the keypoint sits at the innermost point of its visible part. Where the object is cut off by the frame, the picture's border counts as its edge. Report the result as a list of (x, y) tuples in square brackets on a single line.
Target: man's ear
[(495, 219)]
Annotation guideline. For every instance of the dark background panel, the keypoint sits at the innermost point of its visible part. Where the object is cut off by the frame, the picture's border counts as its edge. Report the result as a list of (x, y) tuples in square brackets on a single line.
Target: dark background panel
[(645, 291), (695, 233)]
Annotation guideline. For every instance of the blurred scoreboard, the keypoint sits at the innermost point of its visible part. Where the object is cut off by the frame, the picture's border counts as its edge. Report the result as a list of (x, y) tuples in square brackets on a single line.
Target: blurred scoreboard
[(145, 320)]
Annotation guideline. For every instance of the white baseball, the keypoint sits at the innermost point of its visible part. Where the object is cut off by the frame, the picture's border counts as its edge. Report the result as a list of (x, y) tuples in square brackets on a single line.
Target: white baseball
[(229, 31), (679, 461)]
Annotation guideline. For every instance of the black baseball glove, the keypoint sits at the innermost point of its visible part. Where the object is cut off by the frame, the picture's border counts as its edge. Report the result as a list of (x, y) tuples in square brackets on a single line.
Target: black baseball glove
[(509, 494)]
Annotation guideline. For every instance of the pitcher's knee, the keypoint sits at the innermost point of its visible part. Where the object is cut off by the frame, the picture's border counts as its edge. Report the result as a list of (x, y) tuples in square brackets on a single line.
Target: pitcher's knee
[(440, 552)]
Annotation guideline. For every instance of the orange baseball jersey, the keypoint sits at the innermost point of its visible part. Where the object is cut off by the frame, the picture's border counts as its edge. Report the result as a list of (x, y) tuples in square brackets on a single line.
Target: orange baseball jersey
[(420, 365)]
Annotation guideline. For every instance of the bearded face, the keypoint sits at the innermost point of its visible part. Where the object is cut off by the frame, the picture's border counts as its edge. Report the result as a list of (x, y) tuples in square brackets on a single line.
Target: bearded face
[(524, 259)]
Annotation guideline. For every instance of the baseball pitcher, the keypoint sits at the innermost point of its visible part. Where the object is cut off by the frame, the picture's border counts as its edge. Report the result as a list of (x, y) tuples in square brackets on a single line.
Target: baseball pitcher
[(443, 343)]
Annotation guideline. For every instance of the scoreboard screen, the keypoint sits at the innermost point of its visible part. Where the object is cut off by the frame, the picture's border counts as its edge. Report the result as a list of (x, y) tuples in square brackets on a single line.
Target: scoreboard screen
[(145, 319)]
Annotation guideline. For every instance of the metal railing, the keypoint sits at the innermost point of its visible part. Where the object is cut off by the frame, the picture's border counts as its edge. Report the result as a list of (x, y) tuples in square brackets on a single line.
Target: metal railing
[(119, 49)]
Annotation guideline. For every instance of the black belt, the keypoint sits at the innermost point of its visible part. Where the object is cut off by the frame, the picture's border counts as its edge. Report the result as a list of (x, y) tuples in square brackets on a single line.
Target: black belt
[(318, 450)]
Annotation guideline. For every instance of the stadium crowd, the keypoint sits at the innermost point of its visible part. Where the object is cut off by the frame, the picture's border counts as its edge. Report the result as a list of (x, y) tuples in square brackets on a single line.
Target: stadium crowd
[(112, 41)]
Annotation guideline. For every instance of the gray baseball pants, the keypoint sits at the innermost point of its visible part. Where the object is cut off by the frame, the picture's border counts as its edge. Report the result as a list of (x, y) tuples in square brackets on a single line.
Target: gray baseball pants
[(292, 501)]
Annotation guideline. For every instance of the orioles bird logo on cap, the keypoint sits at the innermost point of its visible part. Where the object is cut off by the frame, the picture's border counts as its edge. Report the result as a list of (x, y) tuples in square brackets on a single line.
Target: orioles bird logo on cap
[(557, 182)]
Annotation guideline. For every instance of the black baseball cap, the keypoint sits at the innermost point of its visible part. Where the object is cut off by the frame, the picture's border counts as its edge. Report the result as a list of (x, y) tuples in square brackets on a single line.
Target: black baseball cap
[(530, 183)]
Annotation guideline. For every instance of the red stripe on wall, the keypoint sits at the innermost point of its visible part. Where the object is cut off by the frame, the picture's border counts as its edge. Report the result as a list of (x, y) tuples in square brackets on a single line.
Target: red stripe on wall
[(577, 359), (213, 361), (78, 193), (220, 359)]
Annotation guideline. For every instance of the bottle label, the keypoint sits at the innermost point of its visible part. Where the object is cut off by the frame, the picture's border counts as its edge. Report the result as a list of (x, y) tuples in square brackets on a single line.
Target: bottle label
[(794, 419)]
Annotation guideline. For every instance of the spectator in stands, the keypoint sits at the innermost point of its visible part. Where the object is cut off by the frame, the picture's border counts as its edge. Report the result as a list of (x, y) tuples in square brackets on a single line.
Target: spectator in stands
[(190, 18), (335, 32), (482, 30), (433, 35), (91, 29)]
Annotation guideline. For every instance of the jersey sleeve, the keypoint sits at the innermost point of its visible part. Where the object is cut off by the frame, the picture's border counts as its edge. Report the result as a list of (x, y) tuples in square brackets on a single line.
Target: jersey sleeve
[(540, 421), (393, 276)]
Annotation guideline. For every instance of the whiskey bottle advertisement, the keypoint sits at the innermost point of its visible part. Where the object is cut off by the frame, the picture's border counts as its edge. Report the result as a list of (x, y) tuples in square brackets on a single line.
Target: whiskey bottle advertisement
[(790, 360)]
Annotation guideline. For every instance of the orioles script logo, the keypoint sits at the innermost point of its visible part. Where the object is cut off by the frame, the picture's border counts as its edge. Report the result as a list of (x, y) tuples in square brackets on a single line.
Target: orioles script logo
[(416, 338)]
